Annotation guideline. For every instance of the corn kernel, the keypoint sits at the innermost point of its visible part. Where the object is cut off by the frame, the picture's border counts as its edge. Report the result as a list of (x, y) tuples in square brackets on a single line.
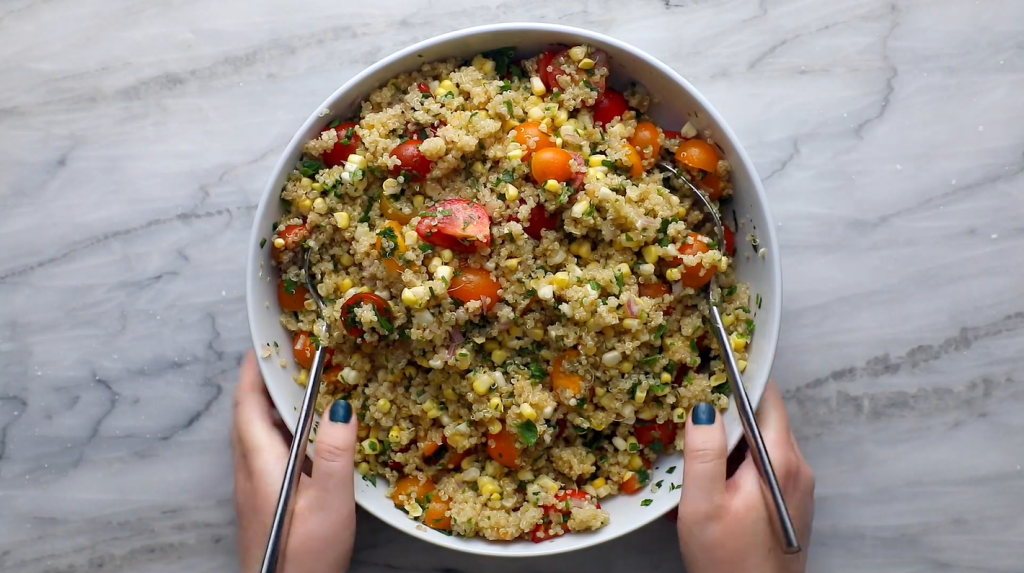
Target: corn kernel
[(596, 173), (447, 255), (482, 384), (561, 280), (536, 334), (585, 250), (515, 330), (431, 409), (535, 114), (598, 483), (623, 269), (494, 497), (444, 273), (537, 86), (673, 274), (306, 183), (619, 443), (346, 284), (641, 393), (370, 446), (357, 160), (363, 431), (493, 426), (547, 484), (515, 154), (511, 193), (741, 365), (488, 486), (737, 342), (630, 324), (418, 202), (717, 379), (342, 219), (596, 160), (499, 356), (305, 205), (390, 186), (647, 413), (525, 475), (679, 415), (559, 142), (665, 378), (395, 435), (632, 445), (546, 292), (635, 462), (491, 345), (449, 394), (383, 405), (681, 212), (278, 242), (511, 264), (318, 187), (650, 253), (552, 186), (597, 425), (561, 117), (688, 131), (599, 391), (728, 319), (444, 87), (363, 468), (611, 359), (415, 297), (587, 64), (580, 207), (577, 53), (495, 405), (528, 412)]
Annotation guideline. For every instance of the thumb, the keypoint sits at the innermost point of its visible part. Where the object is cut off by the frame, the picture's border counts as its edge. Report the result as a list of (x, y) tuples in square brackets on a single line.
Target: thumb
[(704, 461), (333, 455)]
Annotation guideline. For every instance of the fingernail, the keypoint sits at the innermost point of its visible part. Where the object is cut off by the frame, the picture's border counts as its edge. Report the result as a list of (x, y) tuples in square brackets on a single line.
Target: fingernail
[(703, 414), (341, 411)]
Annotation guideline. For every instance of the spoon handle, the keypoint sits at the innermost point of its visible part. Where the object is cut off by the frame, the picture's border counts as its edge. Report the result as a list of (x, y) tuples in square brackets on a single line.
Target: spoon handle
[(753, 435), (295, 460)]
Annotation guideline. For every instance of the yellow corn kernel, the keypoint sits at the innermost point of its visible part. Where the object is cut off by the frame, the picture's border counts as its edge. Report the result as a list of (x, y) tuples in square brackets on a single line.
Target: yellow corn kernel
[(561, 116), (415, 297), (363, 431), (679, 415), (450, 394), (511, 193), (737, 341), (718, 379), (650, 253), (305, 205), (641, 393), (646, 414), (434, 264), (663, 389), (495, 405), (514, 154), (515, 331), (561, 280), (363, 468), (596, 173), (395, 435), (431, 409), (491, 345), (493, 426), (370, 446), (577, 53), (630, 324), (417, 202), (626, 476), (580, 208), (635, 462), (681, 212), (318, 187), (511, 264), (535, 114), (482, 384), (585, 250), (673, 274), (528, 412), (623, 269), (342, 219), (444, 87), (278, 242), (346, 284), (306, 183), (525, 475), (596, 160), (598, 483), (552, 186), (587, 64), (383, 405), (499, 356), (488, 486), (665, 378), (547, 484), (626, 367), (741, 365), (537, 86), (447, 255), (444, 273), (728, 319), (536, 334)]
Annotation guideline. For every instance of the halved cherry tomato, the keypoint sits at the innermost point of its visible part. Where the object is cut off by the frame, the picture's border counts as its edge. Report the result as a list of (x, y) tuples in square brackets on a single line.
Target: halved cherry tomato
[(332, 376), (293, 236), (411, 486), (392, 211), (634, 162), (475, 284), (565, 72), (654, 290), (456, 224), (354, 328), (422, 88), (541, 532), (531, 138), (348, 143), (711, 185), (646, 140), (563, 380), (609, 106), (412, 163), (551, 163), (647, 434), (453, 459), (390, 255), (631, 485), (501, 447), (540, 220), (543, 68), (729, 240), (303, 349), (698, 275), (698, 155), (429, 448), (436, 516), (293, 301)]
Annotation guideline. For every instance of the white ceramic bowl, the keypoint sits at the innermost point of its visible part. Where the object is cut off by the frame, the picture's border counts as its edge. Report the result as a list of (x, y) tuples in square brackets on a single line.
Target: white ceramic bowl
[(676, 101)]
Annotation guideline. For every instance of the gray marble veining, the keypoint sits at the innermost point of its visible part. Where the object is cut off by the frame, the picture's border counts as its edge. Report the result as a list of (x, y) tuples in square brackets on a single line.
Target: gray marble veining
[(135, 139)]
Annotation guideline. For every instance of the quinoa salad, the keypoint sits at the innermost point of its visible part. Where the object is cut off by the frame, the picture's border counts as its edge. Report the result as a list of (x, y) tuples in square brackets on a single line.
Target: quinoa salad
[(514, 291)]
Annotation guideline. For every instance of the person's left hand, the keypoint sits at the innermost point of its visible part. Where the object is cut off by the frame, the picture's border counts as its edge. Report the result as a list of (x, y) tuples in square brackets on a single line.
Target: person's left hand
[(319, 536)]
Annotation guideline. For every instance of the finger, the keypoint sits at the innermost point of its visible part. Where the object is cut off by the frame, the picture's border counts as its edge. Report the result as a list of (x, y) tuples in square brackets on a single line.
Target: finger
[(333, 455), (704, 460), (778, 439), (254, 417)]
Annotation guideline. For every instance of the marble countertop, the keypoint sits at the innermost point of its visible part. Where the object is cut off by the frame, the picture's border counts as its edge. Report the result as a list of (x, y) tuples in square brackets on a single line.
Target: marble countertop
[(135, 139)]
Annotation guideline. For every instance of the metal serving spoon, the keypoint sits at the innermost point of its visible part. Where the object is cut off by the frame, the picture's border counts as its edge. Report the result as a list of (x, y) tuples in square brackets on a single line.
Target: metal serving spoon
[(750, 428), (301, 438)]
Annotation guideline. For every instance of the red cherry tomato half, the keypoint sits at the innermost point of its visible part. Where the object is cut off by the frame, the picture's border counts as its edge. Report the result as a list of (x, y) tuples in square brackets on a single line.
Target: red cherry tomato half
[(543, 65), (348, 143), (540, 221), (293, 236), (422, 88), (609, 106), (559, 514), (456, 224), (647, 434), (412, 163), (385, 318), (730, 240), (671, 134)]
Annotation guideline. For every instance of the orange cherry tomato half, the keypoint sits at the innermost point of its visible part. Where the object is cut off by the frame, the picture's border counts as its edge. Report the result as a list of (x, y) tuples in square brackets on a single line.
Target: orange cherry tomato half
[(413, 165), (562, 380), (475, 284), (540, 221), (697, 276), (393, 212), (531, 138), (698, 155), (430, 448), (303, 349), (635, 162), (347, 144), (654, 290), (711, 185), (436, 516), (410, 488), (293, 301), (501, 447), (391, 254), (456, 224), (551, 163), (646, 140), (609, 106), (354, 328)]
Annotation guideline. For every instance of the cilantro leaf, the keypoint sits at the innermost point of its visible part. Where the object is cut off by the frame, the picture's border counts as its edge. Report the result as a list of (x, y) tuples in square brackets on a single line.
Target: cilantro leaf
[(527, 432)]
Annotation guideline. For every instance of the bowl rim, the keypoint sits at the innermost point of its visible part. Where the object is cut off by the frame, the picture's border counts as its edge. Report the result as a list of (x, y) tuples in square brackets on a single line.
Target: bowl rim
[(499, 549)]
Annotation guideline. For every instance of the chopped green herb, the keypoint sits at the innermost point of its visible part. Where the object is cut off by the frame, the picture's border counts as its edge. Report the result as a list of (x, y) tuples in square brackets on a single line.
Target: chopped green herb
[(369, 206), (619, 281), (289, 286), (334, 124), (263, 242), (503, 58), (660, 331), (590, 211), (508, 107), (391, 245), (425, 248), (507, 176), (608, 163), (527, 432), (722, 388), (537, 372), (385, 324), (643, 476), (693, 345), (674, 486), (730, 291), (646, 502), (750, 325), (659, 484), (516, 71), (505, 87), (757, 299), (310, 167), (651, 360), (594, 285)]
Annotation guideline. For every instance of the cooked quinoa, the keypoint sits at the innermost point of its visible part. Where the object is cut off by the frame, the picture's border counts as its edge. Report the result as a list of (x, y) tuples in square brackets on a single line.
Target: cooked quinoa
[(514, 293)]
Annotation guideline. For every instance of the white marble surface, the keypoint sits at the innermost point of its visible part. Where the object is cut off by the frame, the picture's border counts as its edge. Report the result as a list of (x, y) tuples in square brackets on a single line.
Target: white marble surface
[(135, 138)]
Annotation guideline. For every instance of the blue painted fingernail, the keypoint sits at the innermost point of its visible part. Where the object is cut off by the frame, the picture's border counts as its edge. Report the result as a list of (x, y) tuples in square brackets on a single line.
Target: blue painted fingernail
[(703, 414), (341, 411)]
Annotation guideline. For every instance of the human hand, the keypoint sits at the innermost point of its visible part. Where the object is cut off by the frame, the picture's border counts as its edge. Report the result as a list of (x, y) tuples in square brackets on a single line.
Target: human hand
[(318, 537), (730, 526)]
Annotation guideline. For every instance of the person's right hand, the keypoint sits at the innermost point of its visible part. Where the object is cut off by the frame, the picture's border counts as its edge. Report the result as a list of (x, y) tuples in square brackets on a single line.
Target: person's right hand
[(730, 526)]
